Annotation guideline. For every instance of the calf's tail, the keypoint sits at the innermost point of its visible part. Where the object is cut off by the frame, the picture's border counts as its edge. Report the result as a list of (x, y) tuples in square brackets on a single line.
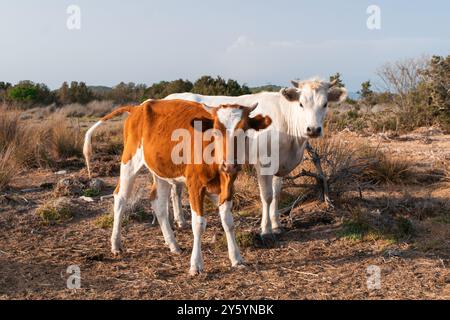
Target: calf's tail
[(87, 148)]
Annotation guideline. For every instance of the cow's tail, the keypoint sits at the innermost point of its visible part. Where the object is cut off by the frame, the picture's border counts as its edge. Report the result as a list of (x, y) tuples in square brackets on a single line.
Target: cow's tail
[(87, 148)]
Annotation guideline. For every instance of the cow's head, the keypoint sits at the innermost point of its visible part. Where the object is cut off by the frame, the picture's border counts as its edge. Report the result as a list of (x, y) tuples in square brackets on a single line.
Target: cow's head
[(228, 126), (310, 100)]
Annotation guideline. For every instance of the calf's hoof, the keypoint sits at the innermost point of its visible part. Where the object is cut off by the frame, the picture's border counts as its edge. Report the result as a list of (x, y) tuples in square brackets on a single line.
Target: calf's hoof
[(175, 250), (195, 271), (116, 251)]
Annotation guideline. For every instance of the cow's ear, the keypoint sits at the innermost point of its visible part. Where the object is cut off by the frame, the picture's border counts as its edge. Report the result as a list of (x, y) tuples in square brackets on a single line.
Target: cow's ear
[(259, 122), (337, 95), (291, 94), (202, 124)]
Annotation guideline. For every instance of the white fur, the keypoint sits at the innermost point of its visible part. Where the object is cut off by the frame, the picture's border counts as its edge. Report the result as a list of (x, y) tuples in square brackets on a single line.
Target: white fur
[(198, 228), (229, 117), (228, 226)]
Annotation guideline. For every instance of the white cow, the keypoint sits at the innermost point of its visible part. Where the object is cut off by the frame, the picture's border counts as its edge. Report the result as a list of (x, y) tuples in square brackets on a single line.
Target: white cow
[(297, 115)]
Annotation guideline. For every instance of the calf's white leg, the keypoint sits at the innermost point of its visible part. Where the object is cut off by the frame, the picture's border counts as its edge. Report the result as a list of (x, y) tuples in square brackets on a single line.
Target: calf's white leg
[(228, 226), (128, 174), (161, 206), (198, 228)]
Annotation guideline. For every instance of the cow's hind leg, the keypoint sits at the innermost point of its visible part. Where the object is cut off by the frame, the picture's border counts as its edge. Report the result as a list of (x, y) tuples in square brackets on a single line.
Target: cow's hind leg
[(161, 205), (122, 193)]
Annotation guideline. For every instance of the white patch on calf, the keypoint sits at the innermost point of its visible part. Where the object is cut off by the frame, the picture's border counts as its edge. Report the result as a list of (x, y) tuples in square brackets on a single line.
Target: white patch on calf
[(229, 117)]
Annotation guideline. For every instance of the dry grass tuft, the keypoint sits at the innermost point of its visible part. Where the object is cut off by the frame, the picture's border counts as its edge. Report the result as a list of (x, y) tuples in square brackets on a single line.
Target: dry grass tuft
[(8, 167), (56, 211)]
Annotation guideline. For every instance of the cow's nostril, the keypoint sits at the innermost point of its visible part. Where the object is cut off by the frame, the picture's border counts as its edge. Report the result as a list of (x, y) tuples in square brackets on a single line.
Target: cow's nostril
[(309, 129), (319, 130)]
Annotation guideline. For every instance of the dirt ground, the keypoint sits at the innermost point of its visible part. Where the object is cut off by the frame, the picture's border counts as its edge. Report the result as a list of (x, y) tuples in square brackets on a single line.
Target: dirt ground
[(309, 261)]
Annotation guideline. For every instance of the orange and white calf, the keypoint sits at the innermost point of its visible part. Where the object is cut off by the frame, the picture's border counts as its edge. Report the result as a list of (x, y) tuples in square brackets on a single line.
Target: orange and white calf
[(148, 140)]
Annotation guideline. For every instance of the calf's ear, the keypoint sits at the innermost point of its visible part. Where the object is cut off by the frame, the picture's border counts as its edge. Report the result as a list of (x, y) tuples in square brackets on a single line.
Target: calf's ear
[(259, 122), (202, 124), (337, 95)]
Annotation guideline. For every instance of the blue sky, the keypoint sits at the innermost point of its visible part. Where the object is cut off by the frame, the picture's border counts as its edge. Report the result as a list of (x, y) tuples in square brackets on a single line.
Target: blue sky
[(255, 42)]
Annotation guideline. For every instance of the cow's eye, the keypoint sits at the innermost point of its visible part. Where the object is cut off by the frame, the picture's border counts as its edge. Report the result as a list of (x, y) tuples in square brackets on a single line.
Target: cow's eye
[(301, 105), (326, 105)]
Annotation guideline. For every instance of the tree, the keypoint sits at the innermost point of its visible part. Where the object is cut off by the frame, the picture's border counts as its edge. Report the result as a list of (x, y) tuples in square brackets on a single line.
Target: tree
[(84, 95), (4, 86), (207, 85), (366, 90), (26, 94), (337, 77), (402, 78), (64, 94), (437, 83)]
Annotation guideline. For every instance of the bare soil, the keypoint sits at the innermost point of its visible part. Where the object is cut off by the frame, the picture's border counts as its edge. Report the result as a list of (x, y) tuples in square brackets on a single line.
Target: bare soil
[(310, 261)]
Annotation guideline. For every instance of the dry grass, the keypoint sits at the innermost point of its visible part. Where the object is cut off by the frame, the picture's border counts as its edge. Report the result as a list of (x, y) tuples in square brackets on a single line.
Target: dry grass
[(25, 144), (96, 109), (8, 167)]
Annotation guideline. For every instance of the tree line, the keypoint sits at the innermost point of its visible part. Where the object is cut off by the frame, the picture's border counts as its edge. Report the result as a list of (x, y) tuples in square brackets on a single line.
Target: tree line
[(27, 94)]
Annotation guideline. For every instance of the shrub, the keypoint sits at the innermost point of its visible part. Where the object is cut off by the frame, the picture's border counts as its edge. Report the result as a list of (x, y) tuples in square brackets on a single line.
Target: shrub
[(56, 211)]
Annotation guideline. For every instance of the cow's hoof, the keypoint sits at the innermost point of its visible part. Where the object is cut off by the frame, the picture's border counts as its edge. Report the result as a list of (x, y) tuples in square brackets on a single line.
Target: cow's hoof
[(182, 225), (278, 231), (268, 239), (240, 266)]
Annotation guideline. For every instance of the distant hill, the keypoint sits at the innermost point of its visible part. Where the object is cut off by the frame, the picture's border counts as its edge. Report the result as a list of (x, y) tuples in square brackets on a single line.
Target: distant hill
[(100, 89), (268, 87)]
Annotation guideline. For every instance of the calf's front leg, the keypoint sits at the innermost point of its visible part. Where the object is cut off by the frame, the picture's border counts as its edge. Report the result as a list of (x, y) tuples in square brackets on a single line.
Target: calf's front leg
[(196, 197), (228, 226)]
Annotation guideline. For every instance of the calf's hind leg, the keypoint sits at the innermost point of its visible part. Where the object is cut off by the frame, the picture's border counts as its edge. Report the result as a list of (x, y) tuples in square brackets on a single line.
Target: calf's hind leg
[(122, 193), (160, 204)]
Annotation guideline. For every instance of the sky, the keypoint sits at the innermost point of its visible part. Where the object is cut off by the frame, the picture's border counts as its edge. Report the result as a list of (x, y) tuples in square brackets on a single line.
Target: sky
[(254, 42)]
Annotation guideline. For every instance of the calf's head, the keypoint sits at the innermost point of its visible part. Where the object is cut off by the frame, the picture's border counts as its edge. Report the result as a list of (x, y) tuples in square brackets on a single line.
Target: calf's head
[(227, 126), (310, 101)]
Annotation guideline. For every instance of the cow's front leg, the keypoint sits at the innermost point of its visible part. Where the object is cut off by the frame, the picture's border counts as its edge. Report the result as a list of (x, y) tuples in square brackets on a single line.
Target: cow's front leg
[(266, 193), (277, 228), (196, 196)]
